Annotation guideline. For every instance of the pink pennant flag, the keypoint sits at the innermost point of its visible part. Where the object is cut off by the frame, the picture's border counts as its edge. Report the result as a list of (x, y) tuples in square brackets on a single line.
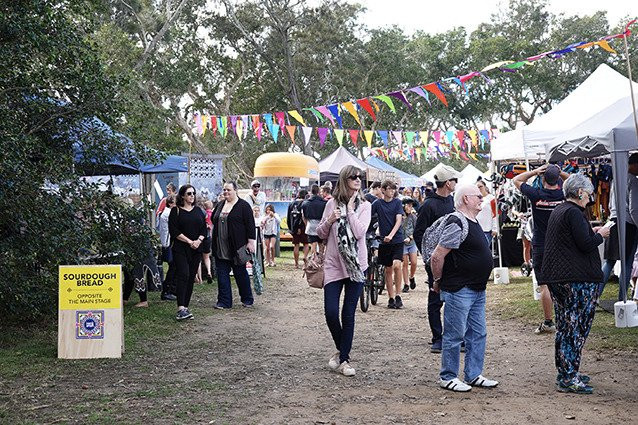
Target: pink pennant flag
[(398, 135), (354, 135), (460, 134), (326, 112), (258, 129), (198, 124), (322, 132), (420, 92), (437, 137), (281, 119), (307, 132), (291, 132)]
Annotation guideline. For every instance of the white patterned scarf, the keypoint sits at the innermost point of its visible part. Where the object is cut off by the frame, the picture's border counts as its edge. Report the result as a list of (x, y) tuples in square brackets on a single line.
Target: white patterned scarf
[(348, 245)]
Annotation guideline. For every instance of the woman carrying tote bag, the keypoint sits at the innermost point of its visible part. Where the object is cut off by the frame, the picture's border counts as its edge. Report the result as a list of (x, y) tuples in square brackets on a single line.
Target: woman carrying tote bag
[(343, 226)]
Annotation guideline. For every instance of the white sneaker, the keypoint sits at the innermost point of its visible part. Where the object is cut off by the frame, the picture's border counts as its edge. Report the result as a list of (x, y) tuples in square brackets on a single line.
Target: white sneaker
[(333, 363), (346, 370), (455, 385), (483, 382)]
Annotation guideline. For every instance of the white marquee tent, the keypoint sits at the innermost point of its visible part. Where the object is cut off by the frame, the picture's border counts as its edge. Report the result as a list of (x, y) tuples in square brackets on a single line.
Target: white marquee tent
[(601, 89)]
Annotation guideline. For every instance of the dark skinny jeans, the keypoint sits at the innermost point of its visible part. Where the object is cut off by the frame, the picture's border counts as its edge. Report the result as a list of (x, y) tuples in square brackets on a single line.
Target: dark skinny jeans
[(342, 332)]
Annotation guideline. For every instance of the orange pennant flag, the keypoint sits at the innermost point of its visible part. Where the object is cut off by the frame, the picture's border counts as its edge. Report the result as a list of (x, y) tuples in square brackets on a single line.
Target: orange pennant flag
[(291, 132)]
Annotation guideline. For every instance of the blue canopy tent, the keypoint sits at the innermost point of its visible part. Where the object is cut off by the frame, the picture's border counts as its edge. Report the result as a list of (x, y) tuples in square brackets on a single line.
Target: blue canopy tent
[(92, 132), (405, 179)]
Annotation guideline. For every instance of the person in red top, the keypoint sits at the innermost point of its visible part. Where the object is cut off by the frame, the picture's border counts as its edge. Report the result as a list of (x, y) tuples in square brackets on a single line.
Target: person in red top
[(170, 190)]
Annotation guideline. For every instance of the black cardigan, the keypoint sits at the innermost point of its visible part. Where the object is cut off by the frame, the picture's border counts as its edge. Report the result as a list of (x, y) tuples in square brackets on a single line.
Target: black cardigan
[(241, 225), (571, 247)]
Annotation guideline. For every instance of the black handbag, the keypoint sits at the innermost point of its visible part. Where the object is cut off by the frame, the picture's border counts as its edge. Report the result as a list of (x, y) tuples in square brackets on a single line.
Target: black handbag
[(243, 255)]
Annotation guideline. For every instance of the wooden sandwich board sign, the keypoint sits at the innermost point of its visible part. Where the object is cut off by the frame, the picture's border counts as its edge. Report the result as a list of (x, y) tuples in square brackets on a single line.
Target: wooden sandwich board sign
[(90, 317)]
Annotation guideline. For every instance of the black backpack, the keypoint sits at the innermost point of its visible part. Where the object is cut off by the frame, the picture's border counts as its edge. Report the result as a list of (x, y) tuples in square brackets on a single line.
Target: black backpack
[(295, 216)]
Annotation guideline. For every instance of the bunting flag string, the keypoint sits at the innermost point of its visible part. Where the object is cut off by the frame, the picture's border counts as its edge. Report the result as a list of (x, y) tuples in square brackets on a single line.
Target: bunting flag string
[(438, 88), (398, 144)]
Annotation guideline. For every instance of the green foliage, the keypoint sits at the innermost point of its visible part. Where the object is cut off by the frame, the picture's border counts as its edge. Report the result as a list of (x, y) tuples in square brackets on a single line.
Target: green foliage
[(52, 81)]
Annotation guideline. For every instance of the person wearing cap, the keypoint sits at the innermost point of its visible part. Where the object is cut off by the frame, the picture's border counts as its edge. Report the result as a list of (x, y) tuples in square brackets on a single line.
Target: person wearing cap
[(435, 206), (256, 197), (543, 201)]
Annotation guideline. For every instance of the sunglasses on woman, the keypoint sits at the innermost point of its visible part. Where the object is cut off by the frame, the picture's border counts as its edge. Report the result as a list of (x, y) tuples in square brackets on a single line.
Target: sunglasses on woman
[(354, 177), (190, 194)]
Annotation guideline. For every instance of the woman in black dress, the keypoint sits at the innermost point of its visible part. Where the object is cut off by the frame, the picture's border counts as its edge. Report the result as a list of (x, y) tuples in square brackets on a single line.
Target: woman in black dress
[(187, 227)]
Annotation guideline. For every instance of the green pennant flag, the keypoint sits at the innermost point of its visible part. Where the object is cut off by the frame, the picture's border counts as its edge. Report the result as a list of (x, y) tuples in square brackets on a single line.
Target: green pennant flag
[(409, 137), (339, 135), (387, 101), (317, 114)]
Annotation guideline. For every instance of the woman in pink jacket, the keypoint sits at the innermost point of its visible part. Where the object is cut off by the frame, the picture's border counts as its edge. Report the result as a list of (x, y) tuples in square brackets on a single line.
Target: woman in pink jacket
[(343, 226)]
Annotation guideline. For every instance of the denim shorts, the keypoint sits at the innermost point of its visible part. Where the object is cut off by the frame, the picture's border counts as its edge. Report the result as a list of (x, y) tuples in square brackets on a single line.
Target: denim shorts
[(409, 249)]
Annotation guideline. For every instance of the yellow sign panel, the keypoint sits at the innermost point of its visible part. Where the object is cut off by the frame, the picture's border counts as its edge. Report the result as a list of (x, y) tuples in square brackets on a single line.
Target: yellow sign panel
[(90, 287)]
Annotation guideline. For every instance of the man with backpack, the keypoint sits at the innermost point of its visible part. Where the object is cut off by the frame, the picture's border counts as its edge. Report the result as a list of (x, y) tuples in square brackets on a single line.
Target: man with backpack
[(461, 264), (311, 213), (434, 207), (297, 228)]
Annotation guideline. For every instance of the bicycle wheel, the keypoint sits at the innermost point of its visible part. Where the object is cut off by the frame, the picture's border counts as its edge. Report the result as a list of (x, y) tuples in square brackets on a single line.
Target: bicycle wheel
[(381, 281), (374, 296), (364, 298)]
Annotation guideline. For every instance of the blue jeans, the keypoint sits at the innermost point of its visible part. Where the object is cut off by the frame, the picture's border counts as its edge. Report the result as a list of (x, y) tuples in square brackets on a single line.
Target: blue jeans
[(342, 332), (225, 294), (463, 319)]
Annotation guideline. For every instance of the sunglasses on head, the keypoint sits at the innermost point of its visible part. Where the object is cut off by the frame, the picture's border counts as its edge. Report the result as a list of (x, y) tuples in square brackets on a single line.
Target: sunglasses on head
[(190, 194), (354, 177)]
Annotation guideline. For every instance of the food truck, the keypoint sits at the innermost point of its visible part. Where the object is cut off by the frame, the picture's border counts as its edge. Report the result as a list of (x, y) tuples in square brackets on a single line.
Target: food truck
[(282, 175)]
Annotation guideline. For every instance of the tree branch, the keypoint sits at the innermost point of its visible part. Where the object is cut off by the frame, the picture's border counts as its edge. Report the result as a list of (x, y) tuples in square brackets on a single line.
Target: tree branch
[(150, 49)]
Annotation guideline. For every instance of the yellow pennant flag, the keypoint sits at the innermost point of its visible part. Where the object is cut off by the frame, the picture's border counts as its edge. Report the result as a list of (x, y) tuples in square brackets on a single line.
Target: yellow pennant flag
[(297, 116), (369, 135), (353, 111), (474, 138), (423, 137), (205, 121), (239, 128)]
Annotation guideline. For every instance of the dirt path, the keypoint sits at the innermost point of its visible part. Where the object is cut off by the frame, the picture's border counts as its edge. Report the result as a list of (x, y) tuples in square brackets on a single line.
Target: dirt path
[(268, 365)]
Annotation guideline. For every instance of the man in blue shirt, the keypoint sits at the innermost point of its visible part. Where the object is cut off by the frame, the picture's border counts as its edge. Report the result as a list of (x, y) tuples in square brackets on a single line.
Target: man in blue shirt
[(543, 201), (389, 211)]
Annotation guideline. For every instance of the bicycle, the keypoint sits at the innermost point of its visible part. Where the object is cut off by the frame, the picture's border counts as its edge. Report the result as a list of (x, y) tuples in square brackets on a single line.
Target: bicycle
[(375, 278)]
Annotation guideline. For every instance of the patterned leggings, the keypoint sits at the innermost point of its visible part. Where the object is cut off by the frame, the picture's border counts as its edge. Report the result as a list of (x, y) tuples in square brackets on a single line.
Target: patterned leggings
[(574, 307)]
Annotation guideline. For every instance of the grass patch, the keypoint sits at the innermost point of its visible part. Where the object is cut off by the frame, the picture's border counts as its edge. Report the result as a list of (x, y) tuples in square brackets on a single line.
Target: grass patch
[(32, 350), (516, 302)]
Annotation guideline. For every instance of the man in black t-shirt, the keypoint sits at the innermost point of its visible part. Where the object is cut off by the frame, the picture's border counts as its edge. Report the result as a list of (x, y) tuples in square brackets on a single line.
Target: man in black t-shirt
[(543, 203), (434, 207), (390, 215), (461, 265)]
